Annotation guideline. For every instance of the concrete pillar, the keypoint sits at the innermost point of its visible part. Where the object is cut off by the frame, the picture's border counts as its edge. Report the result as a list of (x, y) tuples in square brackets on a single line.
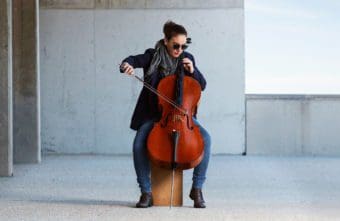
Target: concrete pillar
[(6, 119), (26, 81)]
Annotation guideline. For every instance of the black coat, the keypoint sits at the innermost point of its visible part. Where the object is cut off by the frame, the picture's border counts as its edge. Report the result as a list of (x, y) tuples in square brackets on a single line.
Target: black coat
[(146, 107)]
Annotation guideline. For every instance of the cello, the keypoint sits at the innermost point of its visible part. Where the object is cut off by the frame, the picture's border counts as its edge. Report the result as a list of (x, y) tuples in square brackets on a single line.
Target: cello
[(175, 141)]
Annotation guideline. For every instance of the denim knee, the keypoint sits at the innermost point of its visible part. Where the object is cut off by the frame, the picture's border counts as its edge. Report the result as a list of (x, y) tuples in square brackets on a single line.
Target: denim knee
[(139, 143)]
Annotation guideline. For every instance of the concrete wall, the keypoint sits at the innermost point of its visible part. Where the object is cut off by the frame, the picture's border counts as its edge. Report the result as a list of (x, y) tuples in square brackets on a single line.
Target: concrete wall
[(26, 85), (293, 124), (6, 105), (87, 104), (140, 4)]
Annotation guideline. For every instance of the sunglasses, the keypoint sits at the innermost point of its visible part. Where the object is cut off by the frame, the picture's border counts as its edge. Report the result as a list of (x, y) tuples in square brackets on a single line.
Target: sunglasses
[(177, 46)]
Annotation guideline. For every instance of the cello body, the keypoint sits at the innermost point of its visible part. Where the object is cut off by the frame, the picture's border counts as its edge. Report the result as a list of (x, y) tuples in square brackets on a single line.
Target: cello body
[(175, 140)]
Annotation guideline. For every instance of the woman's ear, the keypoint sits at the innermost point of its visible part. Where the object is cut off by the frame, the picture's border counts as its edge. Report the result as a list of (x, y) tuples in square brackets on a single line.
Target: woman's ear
[(165, 41)]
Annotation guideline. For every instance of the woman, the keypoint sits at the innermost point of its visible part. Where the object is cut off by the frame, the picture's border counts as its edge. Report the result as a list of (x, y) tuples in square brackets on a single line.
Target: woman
[(158, 63)]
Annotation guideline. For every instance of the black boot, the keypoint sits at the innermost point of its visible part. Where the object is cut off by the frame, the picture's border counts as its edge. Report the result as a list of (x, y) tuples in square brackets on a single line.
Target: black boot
[(145, 200), (197, 196)]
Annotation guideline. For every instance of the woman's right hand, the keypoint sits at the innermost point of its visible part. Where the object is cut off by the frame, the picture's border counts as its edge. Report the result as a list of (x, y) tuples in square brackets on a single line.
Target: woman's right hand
[(127, 68)]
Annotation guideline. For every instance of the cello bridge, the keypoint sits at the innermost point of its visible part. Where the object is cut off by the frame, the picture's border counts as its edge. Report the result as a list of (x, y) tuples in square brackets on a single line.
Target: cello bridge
[(177, 117)]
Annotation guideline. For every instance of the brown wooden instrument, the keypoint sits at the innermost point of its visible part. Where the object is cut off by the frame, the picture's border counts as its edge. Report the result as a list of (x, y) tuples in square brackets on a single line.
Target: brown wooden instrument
[(175, 141)]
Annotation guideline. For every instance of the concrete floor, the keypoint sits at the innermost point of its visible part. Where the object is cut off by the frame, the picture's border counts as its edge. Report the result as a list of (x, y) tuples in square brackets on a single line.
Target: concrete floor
[(97, 187)]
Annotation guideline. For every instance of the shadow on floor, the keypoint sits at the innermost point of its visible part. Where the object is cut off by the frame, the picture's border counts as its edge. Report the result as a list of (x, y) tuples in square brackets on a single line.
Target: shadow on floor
[(85, 202)]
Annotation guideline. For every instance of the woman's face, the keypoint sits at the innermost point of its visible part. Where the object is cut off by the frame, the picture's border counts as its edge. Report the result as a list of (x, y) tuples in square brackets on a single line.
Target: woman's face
[(175, 44)]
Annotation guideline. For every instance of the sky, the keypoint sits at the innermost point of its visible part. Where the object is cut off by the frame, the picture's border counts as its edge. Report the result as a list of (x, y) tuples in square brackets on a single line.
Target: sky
[(292, 47)]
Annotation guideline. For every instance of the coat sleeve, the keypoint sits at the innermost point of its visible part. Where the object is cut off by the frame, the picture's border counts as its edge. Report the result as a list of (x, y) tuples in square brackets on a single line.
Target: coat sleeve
[(196, 74), (140, 60)]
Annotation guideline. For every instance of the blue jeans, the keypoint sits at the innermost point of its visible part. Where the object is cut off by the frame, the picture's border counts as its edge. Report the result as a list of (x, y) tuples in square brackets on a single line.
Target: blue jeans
[(142, 163)]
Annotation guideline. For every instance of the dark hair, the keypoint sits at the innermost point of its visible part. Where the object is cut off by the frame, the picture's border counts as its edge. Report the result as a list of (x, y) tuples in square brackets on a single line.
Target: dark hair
[(171, 29)]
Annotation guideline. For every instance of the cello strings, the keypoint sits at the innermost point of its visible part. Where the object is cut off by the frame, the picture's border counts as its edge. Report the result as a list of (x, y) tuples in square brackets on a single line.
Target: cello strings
[(152, 89), (161, 95)]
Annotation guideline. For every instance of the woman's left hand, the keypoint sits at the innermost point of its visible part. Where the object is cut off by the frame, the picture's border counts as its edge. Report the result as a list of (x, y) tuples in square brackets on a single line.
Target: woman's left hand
[(187, 63)]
